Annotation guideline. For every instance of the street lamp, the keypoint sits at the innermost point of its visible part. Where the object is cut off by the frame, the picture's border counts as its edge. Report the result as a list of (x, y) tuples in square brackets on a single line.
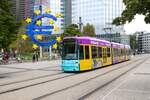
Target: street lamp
[(108, 31), (80, 24)]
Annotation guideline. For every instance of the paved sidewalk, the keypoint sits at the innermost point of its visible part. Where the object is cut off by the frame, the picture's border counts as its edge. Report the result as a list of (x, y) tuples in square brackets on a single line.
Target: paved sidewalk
[(35, 65), (135, 87)]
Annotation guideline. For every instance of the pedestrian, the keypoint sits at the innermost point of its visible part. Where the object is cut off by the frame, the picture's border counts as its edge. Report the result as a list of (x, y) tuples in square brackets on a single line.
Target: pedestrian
[(37, 56), (6, 57), (33, 58)]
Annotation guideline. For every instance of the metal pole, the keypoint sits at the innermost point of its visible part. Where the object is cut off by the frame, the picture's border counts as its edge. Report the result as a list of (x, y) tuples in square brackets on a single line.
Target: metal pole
[(41, 52), (80, 24), (50, 52)]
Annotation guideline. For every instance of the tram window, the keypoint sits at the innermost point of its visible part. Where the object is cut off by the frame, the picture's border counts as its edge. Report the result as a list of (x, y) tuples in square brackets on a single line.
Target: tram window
[(99, 52), (122, 52), (81, 52), (128, 52), (119, 52), (69, 50), (108, 52), (94, 52), (87, 52), (115, 52), (112, 52)]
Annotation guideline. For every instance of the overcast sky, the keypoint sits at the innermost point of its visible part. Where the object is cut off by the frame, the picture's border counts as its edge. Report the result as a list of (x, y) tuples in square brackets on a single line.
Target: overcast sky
[(137, 24)]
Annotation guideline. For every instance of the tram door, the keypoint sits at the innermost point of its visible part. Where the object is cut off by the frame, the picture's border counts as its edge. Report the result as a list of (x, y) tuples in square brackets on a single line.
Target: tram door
[(104, 56)]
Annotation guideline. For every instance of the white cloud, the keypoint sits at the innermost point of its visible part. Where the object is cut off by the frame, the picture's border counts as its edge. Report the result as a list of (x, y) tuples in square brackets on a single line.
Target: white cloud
[(137, 24)]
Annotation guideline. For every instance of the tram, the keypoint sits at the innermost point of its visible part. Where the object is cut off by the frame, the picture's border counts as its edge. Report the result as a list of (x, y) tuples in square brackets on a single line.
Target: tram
[(86, 53)]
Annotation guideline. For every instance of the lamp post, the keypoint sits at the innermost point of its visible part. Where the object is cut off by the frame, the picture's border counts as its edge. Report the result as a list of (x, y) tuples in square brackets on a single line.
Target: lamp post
[(80, 24), (41, 52), (108, 31)]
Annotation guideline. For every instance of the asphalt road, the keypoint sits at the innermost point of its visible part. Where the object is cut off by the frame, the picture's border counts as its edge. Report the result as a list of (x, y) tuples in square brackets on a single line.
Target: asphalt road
[(46, 81)]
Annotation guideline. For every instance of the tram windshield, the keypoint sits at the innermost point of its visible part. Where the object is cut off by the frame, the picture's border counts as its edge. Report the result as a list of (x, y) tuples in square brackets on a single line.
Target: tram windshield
[(69, 49)]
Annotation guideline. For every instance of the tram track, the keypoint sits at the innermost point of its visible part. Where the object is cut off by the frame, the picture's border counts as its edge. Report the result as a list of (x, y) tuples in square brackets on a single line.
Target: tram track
[(31, 79), (16, 72), (107, 83), (69, 87), (19, 88), (26, 70), (15, 68), (47, 81)]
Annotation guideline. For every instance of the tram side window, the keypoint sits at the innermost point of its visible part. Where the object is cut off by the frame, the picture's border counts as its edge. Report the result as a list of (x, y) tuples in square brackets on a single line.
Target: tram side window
[(122, 52), (94, 52), (87, 56), (128, 52), (108, 52), (81, 52), (119, 52), (115, 52), (99, 52)]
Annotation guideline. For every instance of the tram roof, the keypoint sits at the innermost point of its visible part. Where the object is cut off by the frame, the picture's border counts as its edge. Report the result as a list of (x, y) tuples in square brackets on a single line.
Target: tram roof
[(127, 46), (96, 41), (90, 40)]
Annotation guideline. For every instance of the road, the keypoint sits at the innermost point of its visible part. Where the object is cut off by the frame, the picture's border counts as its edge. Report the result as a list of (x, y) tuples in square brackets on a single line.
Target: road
[(46, 81)]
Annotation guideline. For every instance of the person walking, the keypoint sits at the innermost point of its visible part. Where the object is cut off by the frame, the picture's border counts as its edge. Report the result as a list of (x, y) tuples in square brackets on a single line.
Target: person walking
[(33, 58), (37, 57)]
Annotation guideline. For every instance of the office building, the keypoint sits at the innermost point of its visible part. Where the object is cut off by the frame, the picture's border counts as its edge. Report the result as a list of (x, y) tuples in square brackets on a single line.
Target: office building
[(66, 11), (100, 13), (22, 8), (116, 37), (143, 39)]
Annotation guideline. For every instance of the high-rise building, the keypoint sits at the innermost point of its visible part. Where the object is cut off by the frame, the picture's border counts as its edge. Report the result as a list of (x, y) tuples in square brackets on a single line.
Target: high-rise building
[(143, 41), (100, 13), (57, 7), (116, 37), (42, 5), (22, 8), (67, 11)]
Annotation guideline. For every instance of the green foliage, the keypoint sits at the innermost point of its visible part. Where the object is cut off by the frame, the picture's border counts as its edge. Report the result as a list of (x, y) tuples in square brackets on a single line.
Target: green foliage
[(89, 30), (134, 7), (71, 30), (8, 25), (22, 46), (133, 42)]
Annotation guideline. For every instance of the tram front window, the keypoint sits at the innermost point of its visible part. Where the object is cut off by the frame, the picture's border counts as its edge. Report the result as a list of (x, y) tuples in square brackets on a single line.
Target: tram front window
[(69, 49)]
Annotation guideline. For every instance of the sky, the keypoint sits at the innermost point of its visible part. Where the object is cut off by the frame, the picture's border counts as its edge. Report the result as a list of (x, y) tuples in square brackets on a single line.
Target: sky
[(137, 24)]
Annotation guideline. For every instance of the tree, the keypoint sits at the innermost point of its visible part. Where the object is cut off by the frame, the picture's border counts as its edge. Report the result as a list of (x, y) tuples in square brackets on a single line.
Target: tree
[(134, 7), (133, 42), (23, 46), (8, 25), (71, 30), (89, 30)]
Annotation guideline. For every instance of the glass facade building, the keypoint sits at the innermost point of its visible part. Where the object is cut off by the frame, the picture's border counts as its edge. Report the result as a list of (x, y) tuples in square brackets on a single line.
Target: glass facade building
[(57, 7), (100, 13), (66, 11)]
